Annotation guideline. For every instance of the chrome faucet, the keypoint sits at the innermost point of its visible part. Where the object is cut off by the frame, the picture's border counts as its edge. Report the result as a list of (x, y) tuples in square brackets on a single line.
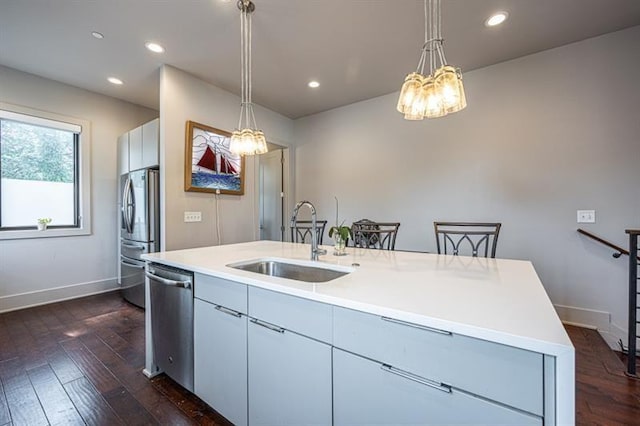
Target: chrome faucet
[(315, 251)]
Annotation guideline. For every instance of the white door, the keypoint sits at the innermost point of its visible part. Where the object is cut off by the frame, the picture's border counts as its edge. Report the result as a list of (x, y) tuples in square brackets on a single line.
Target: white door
[(289, 377), (271, 195), (220, 360)]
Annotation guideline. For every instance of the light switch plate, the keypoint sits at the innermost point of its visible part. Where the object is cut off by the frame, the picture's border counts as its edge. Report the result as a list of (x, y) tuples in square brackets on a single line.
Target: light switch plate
[(193, 216), (586, 216)]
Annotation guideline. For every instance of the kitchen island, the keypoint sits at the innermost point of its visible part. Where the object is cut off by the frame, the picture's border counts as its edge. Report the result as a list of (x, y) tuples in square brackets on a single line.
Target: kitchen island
[(476, 340)]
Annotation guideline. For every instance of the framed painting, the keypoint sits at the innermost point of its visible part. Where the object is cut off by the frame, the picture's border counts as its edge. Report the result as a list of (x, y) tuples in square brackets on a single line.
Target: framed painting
[(209, 165)]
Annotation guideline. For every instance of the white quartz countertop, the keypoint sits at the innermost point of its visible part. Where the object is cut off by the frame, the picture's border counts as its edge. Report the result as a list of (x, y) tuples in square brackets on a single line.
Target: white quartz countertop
[(493, 299)]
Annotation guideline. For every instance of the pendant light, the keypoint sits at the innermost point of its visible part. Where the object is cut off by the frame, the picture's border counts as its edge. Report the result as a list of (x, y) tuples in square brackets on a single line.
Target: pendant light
[(440, 92), (246, 139)]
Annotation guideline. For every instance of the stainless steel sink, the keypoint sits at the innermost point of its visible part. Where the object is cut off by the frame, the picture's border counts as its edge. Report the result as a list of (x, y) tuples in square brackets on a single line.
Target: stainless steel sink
[(291, 271)]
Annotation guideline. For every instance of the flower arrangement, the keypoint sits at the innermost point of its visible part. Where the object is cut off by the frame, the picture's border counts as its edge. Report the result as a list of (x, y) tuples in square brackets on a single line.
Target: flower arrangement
[(340, 234)]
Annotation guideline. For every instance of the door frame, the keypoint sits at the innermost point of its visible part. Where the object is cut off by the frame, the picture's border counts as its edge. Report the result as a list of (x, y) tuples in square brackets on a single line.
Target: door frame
[(286, 189)]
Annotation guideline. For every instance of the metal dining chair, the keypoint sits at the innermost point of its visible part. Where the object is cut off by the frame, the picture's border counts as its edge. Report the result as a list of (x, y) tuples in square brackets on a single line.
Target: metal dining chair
[(478, 238), (301, 233), (375, 235)]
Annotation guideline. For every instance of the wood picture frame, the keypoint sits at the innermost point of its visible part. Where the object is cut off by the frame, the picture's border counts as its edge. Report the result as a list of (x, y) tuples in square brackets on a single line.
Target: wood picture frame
[(209, 165)]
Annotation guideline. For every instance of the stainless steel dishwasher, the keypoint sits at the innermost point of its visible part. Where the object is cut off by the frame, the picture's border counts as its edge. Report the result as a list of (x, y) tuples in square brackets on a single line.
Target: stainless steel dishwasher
[(171, 291)]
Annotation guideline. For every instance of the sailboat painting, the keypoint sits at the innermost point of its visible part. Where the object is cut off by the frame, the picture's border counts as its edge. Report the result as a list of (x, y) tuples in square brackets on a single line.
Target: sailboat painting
[(209, 164)]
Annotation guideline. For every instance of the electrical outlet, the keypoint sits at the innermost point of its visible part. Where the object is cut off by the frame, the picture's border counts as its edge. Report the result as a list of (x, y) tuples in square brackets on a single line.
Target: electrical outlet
[(193, 216), (586, 216)]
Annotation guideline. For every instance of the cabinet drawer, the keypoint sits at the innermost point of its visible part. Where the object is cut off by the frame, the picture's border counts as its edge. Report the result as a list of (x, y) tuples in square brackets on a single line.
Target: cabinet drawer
[(503, 373), (223, 292), (368, 392), (302, 316)]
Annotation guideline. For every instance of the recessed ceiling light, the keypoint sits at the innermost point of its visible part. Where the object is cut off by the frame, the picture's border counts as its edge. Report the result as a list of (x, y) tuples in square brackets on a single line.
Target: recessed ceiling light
[(313, 84), (496, 19), (97, 35), (154, 47), (114, 80)]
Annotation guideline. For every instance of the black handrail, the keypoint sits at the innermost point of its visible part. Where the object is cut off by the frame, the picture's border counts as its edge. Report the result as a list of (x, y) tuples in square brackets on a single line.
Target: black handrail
[(634, 259), (633, 300), (619, 250)]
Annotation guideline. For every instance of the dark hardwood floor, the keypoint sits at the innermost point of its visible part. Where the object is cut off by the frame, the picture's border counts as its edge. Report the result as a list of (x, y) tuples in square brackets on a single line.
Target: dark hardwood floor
[(80, 361), (604, 395)]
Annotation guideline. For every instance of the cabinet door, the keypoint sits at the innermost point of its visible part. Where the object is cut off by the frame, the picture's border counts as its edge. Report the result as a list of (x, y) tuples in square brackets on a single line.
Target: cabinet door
[(135, 149), (368, 392), (289, 378), (150, 144), (123, 156), (220, 360)]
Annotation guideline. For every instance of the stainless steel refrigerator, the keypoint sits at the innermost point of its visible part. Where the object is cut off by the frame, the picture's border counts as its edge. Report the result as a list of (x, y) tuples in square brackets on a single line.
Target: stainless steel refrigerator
[(139, 229)]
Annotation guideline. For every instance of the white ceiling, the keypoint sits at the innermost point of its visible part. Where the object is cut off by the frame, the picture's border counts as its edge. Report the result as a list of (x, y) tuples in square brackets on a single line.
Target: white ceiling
[(356, 49)]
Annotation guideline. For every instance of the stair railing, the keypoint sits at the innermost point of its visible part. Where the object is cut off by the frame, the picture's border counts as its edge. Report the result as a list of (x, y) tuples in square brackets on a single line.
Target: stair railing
[(633, 301), (632, 343), (619, 251)]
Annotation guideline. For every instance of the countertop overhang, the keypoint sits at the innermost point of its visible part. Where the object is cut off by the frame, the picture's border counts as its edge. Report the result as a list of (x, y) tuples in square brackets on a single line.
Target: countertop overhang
[(499, 300)]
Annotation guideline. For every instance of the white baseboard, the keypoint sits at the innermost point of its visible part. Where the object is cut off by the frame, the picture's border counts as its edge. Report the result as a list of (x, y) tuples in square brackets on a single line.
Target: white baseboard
[(614, 335), (42, 297), (594, 319)]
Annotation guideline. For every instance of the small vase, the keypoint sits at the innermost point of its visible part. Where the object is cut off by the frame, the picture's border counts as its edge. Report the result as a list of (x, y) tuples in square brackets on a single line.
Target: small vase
[(339, 246), (42, 226)]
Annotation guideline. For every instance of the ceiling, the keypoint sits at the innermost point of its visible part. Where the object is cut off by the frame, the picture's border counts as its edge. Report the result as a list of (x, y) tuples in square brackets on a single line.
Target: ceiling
[(356, 49)]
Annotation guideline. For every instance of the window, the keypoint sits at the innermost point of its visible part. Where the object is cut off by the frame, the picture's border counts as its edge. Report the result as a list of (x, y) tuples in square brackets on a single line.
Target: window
[(41, 174)]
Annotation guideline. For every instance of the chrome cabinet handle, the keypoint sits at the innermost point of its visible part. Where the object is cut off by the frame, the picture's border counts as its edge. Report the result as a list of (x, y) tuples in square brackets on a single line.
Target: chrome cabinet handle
[(267, 325), (183, 284), (131, 246), (133, 265), (421, 327), (439, 386), (228, 311)]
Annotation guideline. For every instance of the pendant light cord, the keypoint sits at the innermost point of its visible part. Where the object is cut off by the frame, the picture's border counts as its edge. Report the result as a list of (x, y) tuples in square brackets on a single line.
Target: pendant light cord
[(247, 117), (242, 65)]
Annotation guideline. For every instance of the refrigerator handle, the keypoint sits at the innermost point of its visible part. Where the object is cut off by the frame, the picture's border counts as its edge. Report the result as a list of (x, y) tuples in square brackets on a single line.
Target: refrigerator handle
[(124, 205), (126, 199), (132, 206)]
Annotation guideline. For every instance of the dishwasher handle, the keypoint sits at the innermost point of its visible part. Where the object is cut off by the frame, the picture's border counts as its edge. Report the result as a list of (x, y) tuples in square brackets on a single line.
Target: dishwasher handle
[(165, 281)]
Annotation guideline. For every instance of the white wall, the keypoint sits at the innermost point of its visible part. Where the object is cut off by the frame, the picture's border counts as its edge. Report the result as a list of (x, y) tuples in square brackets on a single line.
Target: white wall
[(41, 270), (182, 98), (543, 136)]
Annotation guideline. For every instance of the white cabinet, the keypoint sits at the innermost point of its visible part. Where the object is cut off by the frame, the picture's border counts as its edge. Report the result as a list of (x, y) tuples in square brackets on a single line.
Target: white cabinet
[(150, 144), (289, 365), (302, 316), (123, 155), (266, 358), (369, 392), (139, 148), (135, 148), (220, 346), (289, 377), (498, 372)]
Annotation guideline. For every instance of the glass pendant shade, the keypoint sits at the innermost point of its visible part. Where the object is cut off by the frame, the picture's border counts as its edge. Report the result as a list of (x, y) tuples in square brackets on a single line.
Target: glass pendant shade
[(434, 106), (248, 142), (415, 111), (261, 142), (439, 91), (410, 93), (448, 81)]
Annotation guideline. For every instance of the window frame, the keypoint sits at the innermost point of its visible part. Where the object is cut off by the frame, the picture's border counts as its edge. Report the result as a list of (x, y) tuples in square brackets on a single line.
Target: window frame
[(82, 173)]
